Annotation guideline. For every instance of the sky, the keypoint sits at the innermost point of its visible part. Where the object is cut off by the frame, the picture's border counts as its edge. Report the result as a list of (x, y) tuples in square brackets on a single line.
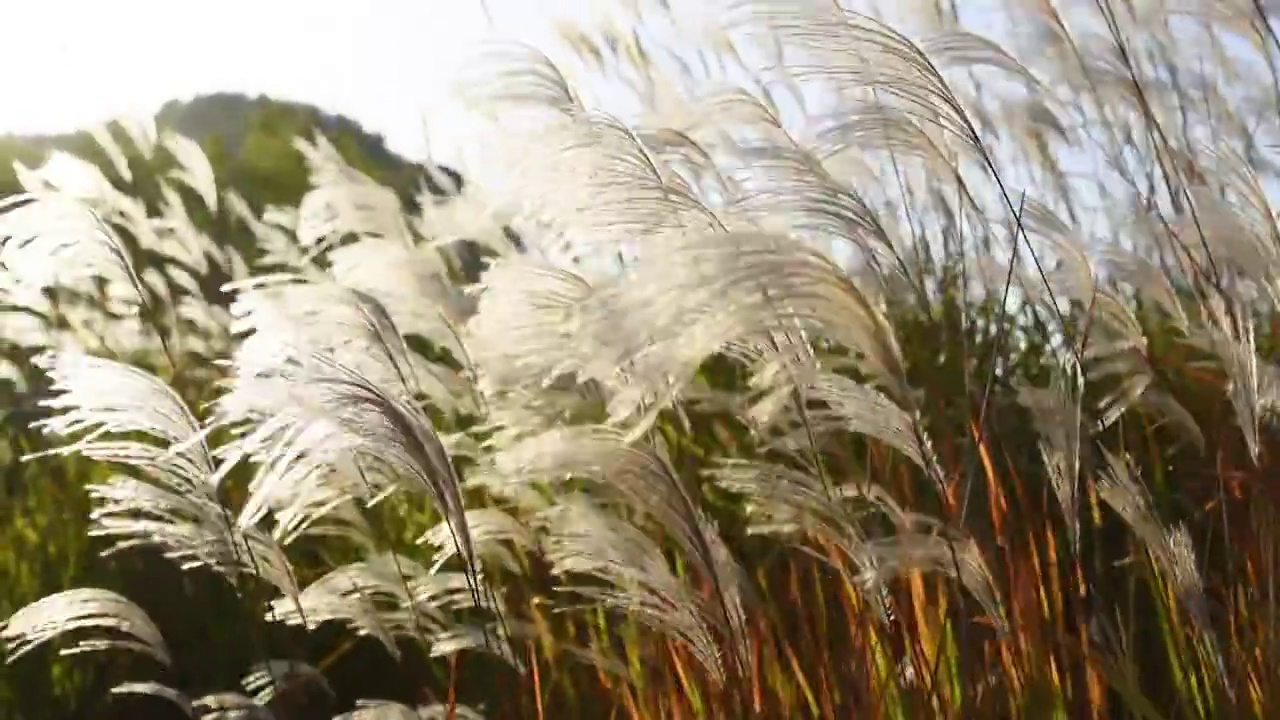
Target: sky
[(74, 63)]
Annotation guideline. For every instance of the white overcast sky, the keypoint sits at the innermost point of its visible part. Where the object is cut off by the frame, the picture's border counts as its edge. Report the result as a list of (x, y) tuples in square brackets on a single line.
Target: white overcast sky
[(72, 63)]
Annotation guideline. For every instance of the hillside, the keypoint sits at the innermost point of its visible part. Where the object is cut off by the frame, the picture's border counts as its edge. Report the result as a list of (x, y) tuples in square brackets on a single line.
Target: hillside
[(248, 140)]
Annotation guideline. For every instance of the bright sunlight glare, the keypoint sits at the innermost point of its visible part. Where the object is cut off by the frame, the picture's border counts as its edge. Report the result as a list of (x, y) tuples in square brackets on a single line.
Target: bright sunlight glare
[(80, 62)]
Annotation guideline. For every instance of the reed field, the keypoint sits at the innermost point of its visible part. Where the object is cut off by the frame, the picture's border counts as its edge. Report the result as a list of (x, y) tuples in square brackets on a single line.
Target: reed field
[(761, 359)]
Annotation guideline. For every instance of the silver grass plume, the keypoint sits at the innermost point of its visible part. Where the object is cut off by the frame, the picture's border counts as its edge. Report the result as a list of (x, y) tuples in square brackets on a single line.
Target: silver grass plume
[(702, 292), (854, 52), (784, 501), (387, 710), (276, 243), (176, 698), (305, 459), (621, 196), (522, 333), (1227, 333), (1170, 549), (371, 431), (1058, 417), (283, 320), (1120, 488), (230, 706), (103, 396), (492, 530), (72, 177), (798, 507), (191, 529), (935, 551), (386, 435), (859, 408), (267, 679), (102, 619), (330, 212), (1149, 281), (106, 141), (781, 187), (508, 77), (52, 240), (413, 286), (582, 539), (387, 597), (639, 476), (142, 133), (174, 503), (193, 169), (215, 706)]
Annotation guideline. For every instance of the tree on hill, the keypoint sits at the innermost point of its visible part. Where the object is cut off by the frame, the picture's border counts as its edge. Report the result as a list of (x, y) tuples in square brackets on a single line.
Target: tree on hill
[(249, 141)]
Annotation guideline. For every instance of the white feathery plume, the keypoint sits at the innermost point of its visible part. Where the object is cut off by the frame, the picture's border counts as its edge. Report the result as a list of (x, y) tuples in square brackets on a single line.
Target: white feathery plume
[(786, 502), (154, 689), (176, 507), (343, 201), (1119, 488), (325, 164), (267, 679), (193, 169), (492, 529), (861, 409), (1150, 282), (104, 619), (277, 244), (283, 321), (99, 399), (412, 286), (912, 551), (702, 292), (385, 597), (329, 212), (638, 477), (965, 49), (468, 216), (1073, 279), (880, 127), (1227, 333), (502, 78), (618, 197), (1057, 415), (230, 706), (387, 710), (522, 333), (853, 53), (106, 141), (52, 240), (179, 239), (65, 174), (1170, 548), (189, 527), (142, 133), (686, 165), (725, 116), (780, 187), (800, 508), (583, 540), (323, 416)]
